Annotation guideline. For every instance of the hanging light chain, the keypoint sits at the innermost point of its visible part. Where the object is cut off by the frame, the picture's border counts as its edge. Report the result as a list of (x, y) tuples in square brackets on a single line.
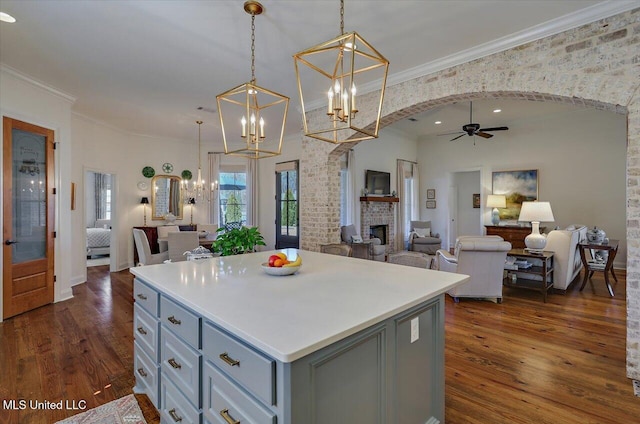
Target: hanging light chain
[(341, 17), (199, 156), (253, 48)]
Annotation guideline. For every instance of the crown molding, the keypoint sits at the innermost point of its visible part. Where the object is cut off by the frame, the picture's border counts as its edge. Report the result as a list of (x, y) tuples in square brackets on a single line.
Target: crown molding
[(26, 78), (555, 26)]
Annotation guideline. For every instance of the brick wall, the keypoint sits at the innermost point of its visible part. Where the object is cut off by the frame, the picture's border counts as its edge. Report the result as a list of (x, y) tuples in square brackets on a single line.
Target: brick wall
[(379, 213), (596, 65)]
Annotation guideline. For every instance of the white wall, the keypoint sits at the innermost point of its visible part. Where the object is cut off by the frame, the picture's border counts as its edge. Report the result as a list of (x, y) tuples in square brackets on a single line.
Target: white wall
[(580, 157), (108, 150), (469, 218)]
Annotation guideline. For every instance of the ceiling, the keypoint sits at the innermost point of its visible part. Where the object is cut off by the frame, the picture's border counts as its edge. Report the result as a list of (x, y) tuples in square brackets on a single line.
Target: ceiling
[(146, 66)]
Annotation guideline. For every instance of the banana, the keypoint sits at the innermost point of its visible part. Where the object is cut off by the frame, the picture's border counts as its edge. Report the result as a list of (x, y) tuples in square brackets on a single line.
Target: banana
[(297, 262)]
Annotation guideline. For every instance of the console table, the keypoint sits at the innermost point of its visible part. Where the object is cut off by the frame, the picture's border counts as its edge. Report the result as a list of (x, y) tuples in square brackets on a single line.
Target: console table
[(591, 266), (538, 277), (514, 234)]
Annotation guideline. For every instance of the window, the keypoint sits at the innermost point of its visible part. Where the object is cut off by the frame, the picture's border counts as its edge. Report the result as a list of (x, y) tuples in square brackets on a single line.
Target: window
[(233, 195), (287, 195)]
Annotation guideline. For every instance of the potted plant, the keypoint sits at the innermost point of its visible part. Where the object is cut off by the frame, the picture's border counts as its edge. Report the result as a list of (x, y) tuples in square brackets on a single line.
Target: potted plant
[(237, 240)]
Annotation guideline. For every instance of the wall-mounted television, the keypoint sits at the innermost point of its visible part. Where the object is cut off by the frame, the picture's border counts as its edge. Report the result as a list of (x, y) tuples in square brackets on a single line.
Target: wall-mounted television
[(378, 182)]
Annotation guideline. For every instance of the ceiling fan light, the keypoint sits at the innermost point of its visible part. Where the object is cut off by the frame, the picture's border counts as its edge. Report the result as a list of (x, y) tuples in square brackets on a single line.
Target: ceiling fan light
[(497, 110)]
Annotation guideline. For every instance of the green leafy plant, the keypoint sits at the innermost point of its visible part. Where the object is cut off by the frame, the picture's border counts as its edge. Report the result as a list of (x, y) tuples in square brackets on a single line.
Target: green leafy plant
[(237, 241)]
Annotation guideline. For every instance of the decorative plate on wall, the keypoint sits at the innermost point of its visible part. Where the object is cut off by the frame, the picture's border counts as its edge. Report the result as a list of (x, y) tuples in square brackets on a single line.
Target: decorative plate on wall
[(167, 168), (148, 172), (142, 185), (186, 174)]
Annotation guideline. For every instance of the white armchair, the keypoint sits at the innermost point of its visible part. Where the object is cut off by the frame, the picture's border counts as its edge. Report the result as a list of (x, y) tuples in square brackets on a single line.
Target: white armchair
[(145, 257), (482, 258), (566, 260)]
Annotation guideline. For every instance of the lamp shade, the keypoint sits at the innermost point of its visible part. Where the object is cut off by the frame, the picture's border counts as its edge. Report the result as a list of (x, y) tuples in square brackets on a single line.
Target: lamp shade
[(144, 201), (496, 201), (536, 212)]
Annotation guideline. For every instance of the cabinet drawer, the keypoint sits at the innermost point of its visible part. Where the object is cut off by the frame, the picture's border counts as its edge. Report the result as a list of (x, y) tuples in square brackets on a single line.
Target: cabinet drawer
[(181, 321), (146, 297), (145, 331), (174, 406), (250, 368), (146, 373), (222, 397), (181, 364)]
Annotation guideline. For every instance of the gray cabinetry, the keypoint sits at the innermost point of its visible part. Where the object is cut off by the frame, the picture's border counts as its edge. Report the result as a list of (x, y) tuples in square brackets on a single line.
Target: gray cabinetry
[(390, 372)]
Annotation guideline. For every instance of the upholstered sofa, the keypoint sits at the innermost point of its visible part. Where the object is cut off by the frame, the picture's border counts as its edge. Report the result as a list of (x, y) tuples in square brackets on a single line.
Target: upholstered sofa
[(566, 259), (421, 239), (482, 258)]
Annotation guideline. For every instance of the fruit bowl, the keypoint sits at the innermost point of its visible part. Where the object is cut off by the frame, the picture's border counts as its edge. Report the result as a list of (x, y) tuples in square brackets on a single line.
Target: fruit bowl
[(285, 270)]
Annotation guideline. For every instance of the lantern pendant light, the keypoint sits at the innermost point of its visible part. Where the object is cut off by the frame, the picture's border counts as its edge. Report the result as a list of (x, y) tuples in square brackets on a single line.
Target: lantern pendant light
[(249, 114), (197, 191), (340, 67)]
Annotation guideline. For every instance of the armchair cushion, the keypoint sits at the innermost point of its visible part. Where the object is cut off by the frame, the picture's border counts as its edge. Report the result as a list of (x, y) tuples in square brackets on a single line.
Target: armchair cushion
[(566, 262), (422, 232)]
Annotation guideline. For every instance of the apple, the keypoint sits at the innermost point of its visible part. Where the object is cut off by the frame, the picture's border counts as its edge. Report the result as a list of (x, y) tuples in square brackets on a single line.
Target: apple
[(272, 260)]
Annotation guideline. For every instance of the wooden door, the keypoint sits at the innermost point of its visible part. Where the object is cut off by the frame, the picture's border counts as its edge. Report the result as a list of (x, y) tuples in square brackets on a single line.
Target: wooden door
[(28, 224)]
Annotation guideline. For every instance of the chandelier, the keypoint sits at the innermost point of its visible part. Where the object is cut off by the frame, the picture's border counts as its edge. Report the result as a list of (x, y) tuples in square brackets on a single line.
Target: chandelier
[(198, 190), (250, 114), (340, 66)]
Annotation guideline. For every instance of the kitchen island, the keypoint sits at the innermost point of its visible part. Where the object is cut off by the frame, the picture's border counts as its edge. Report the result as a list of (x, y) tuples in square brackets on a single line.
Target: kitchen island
[(344, 340)]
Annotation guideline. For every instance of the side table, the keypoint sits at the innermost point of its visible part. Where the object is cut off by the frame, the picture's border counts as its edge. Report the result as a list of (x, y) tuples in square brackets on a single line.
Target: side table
[(592, 266), (538, 277), (362, 249)]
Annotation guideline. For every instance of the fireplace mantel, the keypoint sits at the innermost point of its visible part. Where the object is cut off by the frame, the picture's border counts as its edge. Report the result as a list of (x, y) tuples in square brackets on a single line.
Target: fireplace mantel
[(379, 199)]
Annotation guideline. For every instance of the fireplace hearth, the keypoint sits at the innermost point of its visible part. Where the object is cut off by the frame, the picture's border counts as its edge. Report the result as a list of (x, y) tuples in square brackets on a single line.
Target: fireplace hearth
[(379, 231)]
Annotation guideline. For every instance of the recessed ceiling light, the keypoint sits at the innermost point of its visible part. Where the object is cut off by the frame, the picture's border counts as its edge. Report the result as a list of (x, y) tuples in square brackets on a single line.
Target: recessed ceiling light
[(438, 122), (497, 110), (5, 17)]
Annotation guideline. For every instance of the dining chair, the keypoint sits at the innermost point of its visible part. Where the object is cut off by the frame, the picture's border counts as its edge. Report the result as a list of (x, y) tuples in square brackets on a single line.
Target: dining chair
[(163, 233), (180, 242), (145, 257)]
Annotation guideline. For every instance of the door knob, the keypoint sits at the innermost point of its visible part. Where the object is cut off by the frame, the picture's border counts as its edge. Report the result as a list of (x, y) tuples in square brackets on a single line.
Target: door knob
[(10, 242)]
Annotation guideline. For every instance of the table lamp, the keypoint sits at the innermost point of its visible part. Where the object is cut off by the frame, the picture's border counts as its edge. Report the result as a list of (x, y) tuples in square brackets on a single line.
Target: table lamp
[(145, 201), (496, 201), (536, 212)]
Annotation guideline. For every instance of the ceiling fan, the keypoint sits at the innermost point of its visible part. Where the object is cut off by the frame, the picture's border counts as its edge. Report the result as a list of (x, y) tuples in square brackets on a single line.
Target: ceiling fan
[(474, 129)]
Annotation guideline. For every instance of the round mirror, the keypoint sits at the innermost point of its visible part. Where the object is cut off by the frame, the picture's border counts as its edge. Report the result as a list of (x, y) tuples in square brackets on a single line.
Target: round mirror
[(166, 197)]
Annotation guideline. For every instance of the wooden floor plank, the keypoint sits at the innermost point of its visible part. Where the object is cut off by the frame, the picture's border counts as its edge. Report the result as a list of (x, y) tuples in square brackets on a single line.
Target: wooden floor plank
[(521, 361)]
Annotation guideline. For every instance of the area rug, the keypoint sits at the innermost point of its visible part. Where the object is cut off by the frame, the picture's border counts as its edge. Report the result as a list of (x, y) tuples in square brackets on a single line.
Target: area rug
[(120, 411)]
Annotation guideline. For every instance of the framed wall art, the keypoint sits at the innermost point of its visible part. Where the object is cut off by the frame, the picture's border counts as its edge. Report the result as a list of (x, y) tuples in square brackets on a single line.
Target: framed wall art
[(476, 200), (518, 187), (431, 193), (431, 204)]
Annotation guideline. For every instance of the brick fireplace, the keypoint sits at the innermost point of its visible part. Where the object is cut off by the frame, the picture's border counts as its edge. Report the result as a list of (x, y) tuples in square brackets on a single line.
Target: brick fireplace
[(378, 214)]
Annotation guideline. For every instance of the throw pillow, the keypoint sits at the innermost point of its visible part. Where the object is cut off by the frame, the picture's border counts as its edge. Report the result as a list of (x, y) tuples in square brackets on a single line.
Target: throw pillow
[(423, 232)]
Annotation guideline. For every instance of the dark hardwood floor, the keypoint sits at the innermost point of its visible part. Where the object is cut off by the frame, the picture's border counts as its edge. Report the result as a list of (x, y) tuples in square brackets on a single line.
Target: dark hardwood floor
[(522, 361)]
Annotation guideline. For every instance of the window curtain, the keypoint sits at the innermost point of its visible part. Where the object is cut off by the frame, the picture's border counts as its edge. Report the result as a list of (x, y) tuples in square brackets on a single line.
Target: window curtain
[(252, 193), (101, 184), (415, 195), (214, 175), (408, 200), (353, 212)]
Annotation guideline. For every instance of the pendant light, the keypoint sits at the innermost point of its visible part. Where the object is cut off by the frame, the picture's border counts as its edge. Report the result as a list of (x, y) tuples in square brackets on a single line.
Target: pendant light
[(197, 190), (249, 114), (339, 68)]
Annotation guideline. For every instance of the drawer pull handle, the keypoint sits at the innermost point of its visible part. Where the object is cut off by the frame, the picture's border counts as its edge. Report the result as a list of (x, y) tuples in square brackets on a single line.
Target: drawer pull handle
[(228, 418), (141, 372), (141, 296), (229, 360), (175, 416), (142, 331), (173, 320), (174, 364)]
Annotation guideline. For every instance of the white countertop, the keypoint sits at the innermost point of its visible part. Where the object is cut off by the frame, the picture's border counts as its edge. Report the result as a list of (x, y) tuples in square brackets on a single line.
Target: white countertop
[(288, 317)]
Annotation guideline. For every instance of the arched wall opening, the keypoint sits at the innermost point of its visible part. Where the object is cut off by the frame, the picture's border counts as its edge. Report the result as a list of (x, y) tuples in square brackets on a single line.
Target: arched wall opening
[(595, 65)]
